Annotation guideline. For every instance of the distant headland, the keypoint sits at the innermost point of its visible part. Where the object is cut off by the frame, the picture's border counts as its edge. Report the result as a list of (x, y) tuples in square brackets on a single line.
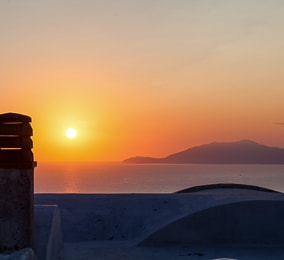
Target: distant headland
[(241, 152)]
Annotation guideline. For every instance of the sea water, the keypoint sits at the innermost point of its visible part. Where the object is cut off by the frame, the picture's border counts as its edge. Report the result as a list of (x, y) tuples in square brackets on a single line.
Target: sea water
[(149, 178)]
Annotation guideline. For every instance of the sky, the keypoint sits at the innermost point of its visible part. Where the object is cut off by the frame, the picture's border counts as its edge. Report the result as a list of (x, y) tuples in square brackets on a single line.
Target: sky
[(142, 77)]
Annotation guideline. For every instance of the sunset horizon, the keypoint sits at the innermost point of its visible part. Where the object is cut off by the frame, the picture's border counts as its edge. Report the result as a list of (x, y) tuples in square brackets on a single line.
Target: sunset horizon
[(144, 78)]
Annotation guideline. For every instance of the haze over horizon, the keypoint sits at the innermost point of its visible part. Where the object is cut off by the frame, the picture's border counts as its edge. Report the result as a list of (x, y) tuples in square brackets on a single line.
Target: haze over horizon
[(142, 77)]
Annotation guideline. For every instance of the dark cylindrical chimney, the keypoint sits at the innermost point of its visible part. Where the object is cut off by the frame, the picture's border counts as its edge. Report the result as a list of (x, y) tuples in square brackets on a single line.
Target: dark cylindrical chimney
[(16, 182)]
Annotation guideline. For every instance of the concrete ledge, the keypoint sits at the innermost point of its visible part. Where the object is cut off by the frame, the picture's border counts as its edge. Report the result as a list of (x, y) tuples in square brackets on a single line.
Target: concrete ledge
[(48, 232)]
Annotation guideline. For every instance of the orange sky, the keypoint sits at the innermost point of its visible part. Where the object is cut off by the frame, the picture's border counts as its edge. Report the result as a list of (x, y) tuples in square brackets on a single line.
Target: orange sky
[(142, 77)]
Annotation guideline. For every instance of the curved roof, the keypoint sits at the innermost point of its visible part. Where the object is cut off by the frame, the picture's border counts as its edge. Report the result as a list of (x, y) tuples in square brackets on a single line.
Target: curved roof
[(225, 186)]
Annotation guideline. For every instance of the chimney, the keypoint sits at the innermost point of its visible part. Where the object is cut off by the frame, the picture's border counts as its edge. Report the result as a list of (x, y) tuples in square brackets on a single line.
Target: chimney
[(16, 182)]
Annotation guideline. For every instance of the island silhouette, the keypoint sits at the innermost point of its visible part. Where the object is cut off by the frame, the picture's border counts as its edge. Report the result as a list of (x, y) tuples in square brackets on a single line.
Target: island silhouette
[(240, 152)]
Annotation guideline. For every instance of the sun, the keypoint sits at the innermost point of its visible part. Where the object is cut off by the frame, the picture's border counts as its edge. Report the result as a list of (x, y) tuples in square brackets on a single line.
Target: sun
[(71, 133)]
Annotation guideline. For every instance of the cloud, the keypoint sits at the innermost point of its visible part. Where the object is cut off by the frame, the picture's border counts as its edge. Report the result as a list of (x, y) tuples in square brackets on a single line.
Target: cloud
[(279, 123)]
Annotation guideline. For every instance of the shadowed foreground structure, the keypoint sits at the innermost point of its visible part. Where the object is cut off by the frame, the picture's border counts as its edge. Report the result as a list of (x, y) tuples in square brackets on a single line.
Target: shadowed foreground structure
[(207, 224)]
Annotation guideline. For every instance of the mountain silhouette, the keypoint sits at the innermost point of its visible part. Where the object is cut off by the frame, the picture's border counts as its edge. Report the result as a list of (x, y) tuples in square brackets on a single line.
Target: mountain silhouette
[(241, 152)]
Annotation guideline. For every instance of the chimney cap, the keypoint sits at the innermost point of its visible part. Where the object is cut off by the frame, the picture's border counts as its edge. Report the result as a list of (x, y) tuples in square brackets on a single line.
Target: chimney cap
[(14, 118)]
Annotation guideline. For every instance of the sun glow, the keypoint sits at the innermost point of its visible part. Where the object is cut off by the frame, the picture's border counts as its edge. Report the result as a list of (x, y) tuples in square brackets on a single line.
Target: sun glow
[(71, 133)]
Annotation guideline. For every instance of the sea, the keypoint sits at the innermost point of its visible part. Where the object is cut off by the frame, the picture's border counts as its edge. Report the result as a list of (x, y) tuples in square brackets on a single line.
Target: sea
[(117, 177)]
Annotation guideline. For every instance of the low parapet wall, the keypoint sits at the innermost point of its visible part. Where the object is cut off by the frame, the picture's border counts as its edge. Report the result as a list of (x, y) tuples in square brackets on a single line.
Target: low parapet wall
[(145, 218)]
